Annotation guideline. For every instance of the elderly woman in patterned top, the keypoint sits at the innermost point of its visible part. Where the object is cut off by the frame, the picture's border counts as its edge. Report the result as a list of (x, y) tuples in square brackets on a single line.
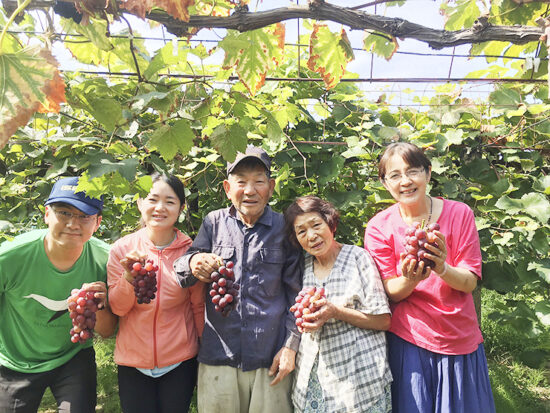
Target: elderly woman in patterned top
[(341, 364)]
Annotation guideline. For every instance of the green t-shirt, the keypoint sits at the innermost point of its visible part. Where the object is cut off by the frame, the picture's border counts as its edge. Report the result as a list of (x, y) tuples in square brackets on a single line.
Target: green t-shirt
[(32, 290)]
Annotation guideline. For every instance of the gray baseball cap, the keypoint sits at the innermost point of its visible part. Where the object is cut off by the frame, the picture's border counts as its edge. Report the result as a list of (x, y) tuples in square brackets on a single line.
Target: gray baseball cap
[(251, 152)]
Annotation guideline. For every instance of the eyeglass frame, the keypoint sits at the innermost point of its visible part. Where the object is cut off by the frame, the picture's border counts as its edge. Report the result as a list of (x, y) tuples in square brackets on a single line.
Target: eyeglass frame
[(66, 216), (411, 173)]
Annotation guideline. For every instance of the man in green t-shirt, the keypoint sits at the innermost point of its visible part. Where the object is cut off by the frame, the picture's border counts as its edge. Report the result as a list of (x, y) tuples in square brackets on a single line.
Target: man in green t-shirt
[(38, 270)]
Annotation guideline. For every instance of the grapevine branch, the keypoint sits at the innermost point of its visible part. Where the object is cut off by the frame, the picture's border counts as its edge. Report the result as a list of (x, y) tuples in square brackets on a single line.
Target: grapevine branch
[(243, 20)]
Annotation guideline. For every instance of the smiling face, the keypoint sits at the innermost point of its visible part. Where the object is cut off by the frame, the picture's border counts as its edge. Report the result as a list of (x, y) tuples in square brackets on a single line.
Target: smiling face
[(161, 208), (249, 189), (313, 234), (72, 232), (411, 188)]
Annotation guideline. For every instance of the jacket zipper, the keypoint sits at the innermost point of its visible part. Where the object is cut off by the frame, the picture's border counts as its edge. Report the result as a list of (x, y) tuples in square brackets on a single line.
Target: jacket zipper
[(157, 301)]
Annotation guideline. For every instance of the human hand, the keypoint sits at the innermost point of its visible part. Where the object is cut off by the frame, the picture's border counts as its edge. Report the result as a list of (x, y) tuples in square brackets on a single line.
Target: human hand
[(100, 292), (129, 260), (315, 320), (203, 264), (283, 364), (438, 254), (410, 273)]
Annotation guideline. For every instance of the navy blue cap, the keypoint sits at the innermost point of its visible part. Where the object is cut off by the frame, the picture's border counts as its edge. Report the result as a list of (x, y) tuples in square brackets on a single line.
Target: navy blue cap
[(251, 152), (64, 191)]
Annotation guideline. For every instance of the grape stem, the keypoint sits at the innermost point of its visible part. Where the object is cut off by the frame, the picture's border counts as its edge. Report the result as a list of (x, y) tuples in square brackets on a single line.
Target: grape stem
[(10, 21)]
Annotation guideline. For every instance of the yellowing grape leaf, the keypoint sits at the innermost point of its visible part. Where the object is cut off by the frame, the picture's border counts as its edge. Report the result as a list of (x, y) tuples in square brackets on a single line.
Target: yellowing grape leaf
[(329, 54), (253, 54), (175, 8), (29, 81)]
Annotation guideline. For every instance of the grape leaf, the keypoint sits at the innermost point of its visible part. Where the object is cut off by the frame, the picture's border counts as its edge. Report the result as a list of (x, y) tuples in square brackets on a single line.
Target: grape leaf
[(95, 32), (329, 54), (168, 140), (229, 141), (107, 111), (534, 204), (29, 81), (175, 8), (463, 15), (381, 45), (254, 53), (166, 57)]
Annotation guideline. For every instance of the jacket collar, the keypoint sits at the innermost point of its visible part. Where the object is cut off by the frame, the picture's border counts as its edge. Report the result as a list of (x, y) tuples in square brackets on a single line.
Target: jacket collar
[(266, 218), (181, 240)]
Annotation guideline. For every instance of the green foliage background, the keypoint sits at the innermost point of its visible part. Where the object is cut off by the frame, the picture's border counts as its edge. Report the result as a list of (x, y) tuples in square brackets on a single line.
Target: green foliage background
[(492, 154)]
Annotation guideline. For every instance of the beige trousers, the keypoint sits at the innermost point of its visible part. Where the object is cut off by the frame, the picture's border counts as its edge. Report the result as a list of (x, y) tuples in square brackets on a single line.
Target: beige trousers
[(224, 389)]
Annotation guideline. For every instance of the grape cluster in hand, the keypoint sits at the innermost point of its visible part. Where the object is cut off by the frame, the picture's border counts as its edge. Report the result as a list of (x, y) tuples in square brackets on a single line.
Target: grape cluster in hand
[(82, 308), (145, 280), (224, 290), (306, 303), (416, 238)]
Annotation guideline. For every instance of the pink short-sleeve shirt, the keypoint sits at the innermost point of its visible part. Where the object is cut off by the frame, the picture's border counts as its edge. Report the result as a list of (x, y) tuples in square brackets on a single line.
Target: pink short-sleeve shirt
[(435, 316)]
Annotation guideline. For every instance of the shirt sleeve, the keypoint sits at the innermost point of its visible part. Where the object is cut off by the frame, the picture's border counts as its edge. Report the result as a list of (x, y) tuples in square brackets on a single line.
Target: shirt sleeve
[(467, 251), (121, 292), (293, 272), (379, 248), (196, 294), (202, 243), (372, 296)]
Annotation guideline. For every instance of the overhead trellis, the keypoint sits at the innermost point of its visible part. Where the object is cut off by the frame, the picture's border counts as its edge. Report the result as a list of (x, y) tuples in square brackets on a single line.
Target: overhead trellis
[(254, 42), (243, 20)]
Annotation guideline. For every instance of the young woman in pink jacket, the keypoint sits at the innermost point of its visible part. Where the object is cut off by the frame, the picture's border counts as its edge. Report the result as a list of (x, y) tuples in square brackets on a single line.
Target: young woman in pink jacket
[(157, 342)]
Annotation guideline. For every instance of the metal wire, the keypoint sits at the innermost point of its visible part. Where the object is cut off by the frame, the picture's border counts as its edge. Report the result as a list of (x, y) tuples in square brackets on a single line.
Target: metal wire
[(160, 39), (316, 79)]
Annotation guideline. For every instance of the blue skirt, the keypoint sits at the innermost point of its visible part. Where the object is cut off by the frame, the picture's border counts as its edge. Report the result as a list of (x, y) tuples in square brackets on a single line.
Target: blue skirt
[(428, 382)]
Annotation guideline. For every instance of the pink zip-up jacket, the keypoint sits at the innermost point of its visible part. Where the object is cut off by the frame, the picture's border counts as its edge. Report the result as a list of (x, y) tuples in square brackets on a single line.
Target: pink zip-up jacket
[(166, 330)]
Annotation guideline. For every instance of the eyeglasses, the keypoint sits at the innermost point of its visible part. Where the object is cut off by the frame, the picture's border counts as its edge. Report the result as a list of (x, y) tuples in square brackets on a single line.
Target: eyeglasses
[(66, 216), (412, 173)]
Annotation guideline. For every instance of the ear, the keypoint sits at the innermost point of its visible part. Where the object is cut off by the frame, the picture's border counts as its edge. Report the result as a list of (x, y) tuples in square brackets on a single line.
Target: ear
[(271, 186), (226, 187), (98, 223), (429, 174), (47, 213), (383, 182)]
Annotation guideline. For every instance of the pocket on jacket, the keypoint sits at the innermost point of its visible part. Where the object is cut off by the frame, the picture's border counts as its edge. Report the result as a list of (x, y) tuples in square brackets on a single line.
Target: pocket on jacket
[(270, 265), (227, 253)]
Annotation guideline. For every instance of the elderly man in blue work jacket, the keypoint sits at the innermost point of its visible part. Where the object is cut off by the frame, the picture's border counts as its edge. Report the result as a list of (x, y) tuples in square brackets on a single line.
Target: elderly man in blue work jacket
[(247, 357)]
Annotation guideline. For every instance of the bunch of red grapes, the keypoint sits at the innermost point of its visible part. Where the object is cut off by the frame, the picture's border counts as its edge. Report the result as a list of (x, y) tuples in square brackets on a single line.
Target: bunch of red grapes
[(306, 303), (224, 290), (416, 239), (145, 280), (82, 308)]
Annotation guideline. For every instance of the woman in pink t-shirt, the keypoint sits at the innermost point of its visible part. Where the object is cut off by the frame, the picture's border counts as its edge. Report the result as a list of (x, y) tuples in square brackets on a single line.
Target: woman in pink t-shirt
[(435, 345)]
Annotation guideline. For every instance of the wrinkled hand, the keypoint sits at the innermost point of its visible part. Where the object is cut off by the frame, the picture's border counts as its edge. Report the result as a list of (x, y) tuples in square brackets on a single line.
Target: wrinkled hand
[(127, 261), (437, 254), (283, 364), (203, 264), (100, 290), (408, 271), (316, 320)]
